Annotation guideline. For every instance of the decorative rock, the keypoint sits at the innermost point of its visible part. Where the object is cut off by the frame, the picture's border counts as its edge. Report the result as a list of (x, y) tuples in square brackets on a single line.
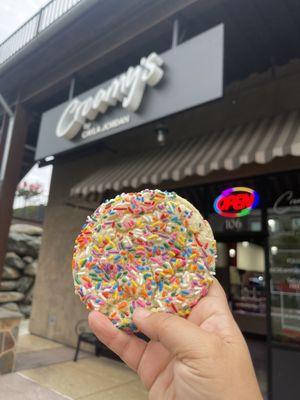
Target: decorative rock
[(28, 259), (8, 341), (28, 297), (10, 307), (27, 229), (18, 243), (9, 323), (31, 269), (13, 260), (7, 362), (25, 310), (9, 320), (8, 285), (6, 297), (23, 244), (15, 330), (24, 284), (10, 273)]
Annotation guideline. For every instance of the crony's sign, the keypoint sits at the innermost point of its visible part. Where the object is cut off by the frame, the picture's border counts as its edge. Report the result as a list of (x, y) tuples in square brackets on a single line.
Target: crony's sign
[(236, 202), (127, 89), (285, 201), (158, 86)]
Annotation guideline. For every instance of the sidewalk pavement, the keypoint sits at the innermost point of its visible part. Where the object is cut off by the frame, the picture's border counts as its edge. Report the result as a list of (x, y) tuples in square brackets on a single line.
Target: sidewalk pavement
[(45, 371)]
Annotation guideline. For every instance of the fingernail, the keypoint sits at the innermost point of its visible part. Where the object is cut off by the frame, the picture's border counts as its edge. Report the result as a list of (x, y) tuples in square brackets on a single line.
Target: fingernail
[(141, 313)]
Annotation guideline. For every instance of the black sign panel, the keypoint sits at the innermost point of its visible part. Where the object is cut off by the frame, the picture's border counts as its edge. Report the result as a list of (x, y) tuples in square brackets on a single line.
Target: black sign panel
[(189, 75)]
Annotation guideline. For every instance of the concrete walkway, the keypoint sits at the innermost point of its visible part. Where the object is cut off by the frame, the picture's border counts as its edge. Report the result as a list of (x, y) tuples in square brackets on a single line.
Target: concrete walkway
[(45, 371)]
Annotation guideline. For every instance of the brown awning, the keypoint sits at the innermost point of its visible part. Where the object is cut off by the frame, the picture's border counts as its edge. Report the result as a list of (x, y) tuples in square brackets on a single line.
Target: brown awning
[(256, 142)]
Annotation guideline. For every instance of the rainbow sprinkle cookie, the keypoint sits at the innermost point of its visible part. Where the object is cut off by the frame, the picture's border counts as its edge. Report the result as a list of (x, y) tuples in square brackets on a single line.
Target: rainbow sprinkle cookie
[(150, 249)]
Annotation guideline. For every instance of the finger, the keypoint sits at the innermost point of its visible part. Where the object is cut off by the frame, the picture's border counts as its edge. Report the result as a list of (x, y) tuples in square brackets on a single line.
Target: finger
[(212, 314), (128, 347), (172, 331), (217, 291), (154, 361), (214, 302)]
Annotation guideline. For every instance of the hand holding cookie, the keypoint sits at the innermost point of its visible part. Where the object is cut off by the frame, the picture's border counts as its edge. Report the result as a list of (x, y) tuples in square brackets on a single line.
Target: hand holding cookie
[(203, 357), (144, 260)]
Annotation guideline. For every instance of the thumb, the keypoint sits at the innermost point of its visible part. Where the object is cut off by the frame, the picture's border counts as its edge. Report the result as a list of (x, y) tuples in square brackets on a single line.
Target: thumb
[(175, 333)]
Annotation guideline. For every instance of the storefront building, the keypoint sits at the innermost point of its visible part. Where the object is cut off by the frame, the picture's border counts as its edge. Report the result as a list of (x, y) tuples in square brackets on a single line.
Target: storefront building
[(222, 131)]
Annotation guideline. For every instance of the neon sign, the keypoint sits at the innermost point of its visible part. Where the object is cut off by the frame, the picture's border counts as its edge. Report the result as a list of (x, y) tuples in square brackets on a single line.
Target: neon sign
[(236, 202)]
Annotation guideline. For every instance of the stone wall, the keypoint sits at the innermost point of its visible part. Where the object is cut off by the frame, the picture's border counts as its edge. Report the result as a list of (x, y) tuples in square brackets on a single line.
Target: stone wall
[(20, 267)]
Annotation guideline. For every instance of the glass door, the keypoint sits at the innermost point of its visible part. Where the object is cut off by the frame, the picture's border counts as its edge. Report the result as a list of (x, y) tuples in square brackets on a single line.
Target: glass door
[(241, 271), (284, 311)]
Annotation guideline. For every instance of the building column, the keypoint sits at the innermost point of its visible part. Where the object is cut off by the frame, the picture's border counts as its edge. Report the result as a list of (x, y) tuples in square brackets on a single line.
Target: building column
[(12, 173)]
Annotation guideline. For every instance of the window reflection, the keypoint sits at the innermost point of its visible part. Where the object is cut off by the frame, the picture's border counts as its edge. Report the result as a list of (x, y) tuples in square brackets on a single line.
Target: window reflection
[(241, 271), (285, 272)]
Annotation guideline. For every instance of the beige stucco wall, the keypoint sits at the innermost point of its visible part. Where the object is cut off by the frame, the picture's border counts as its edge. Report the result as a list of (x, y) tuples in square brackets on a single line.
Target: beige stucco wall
[(56, 309)]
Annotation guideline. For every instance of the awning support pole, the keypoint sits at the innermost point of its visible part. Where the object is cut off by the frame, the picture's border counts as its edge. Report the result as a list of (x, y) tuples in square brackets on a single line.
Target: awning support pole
[(72, 88), (175, 33), (5, 106), (7, 139), (3, 133)]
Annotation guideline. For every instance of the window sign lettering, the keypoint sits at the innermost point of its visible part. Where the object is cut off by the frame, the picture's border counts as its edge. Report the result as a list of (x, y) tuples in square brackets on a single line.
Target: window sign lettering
[(286, 199), (127, 89)]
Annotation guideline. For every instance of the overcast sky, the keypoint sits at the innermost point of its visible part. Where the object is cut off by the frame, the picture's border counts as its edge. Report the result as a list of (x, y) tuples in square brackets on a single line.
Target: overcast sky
[(13, 13)]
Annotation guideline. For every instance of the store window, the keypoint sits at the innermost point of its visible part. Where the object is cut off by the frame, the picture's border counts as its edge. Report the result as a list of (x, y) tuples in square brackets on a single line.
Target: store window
[(284, 243)]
